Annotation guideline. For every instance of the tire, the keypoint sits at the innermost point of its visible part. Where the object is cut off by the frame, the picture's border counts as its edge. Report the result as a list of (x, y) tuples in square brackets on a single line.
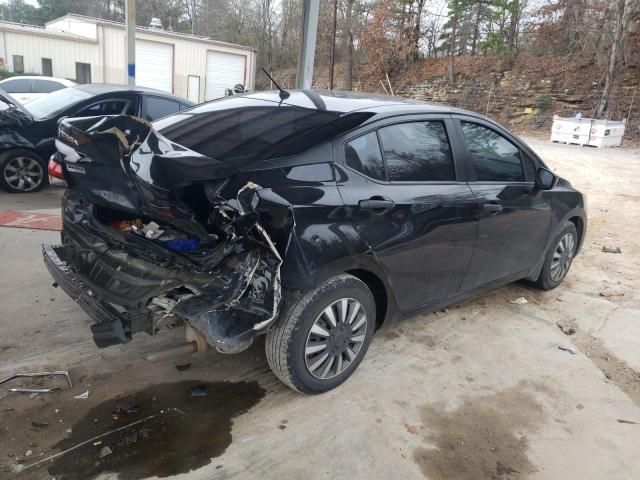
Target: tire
[(563, 248), (22, 171), (294, 350)]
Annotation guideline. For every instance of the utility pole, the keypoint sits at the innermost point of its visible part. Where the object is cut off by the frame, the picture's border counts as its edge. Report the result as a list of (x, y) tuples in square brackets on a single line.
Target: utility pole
[(310, 10), (332, 62), (130, 20)]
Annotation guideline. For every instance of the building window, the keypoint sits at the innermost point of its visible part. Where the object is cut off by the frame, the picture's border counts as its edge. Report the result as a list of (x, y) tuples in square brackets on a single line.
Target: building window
[(83, 72), (47, 67), (18, 64)]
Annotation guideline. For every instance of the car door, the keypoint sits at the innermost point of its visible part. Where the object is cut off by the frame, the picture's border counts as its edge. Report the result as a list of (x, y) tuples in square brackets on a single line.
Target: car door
[(514, 216), (407, 204)]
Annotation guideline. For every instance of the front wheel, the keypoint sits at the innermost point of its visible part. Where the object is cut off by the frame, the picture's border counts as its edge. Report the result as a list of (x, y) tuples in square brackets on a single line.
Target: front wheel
[(559, 257), (322, 336)]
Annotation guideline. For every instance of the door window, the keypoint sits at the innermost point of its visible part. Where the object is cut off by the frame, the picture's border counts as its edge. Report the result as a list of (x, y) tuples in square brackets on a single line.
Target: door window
[(495, 159), (363, 155), (46, 86), (157, 107), (106, 107), (417, 152), (16, 86)]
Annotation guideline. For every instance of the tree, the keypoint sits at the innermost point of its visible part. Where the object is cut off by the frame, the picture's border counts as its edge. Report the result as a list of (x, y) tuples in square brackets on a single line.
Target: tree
[(622, 14)]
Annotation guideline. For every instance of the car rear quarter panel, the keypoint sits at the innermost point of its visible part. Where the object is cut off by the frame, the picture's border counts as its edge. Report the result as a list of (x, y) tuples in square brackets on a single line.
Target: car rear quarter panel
[(323, 241)]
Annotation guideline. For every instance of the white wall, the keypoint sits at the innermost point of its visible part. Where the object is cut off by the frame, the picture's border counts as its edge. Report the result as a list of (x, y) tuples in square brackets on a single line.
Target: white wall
[(62, 52), (107, 53)]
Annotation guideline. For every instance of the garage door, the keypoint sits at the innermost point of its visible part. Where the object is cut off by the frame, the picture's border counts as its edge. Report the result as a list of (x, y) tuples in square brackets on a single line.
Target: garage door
[(154, 65), (224, 70)]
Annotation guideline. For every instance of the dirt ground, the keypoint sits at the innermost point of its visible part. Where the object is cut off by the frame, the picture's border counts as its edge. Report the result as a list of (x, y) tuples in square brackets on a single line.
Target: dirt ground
[(477, 391)]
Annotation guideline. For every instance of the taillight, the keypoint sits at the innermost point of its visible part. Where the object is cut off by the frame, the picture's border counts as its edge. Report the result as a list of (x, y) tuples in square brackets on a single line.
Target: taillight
[(55, 170)]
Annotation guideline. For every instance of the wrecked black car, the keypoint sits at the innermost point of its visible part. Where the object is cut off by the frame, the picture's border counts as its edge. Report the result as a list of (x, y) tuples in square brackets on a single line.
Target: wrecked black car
[(27, 132), (312, 219)]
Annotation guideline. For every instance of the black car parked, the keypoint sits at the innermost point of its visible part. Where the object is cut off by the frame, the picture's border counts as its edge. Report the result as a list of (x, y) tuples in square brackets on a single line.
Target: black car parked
[(314, 219), (27, 132)]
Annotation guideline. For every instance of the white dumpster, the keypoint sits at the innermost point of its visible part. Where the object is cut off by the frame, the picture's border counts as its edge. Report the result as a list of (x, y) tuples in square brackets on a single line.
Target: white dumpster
[(587, 131)]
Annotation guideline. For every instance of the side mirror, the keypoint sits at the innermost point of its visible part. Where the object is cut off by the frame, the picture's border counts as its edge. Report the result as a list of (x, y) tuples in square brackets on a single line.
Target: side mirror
[(545, 179)]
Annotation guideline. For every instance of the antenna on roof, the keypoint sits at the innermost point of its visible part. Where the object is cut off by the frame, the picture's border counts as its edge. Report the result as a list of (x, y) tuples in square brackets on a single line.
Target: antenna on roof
[(283, 93)]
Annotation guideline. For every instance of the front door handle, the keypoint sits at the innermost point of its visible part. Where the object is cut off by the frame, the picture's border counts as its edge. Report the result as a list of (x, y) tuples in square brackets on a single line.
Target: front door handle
[(492, 207), (377, 203)]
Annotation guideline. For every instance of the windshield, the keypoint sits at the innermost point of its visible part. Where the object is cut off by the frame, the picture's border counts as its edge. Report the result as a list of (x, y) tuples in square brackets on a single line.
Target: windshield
[(55, 102)]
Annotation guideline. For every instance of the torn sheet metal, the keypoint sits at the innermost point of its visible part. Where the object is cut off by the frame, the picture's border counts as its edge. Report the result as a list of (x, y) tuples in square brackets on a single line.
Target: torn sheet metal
[(232, 326), (120, 171)]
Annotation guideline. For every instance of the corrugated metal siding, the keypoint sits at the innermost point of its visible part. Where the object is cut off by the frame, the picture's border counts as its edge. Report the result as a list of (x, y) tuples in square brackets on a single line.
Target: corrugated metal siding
[(63, 53)]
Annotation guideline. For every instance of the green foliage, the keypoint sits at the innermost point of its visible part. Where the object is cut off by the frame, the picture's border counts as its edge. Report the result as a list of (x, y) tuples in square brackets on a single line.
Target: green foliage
[(495, 43), (543, 102)]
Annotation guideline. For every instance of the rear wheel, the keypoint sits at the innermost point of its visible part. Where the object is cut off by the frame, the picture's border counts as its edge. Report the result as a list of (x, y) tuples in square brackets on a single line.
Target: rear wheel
[(322, 336), (559, 257), (22, 171)]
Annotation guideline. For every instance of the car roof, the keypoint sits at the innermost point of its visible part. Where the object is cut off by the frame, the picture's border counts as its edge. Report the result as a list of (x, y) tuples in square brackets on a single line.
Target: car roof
[(64, 81), (347, 102), (106, 88)]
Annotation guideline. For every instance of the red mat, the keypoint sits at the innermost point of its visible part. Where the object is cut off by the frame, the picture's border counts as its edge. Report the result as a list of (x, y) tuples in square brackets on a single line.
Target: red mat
[(37, 221)]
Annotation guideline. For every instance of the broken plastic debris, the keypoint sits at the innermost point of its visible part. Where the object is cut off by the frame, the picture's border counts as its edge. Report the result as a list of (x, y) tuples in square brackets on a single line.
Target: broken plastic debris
[(105, 451), (127, 225), (519, 301), (82, 396), (571, 350), (607, 249), (152, 230)]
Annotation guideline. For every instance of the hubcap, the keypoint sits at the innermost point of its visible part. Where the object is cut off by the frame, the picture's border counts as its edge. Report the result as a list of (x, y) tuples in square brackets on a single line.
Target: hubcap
[(23, 173), (562, 257), (335, 338)]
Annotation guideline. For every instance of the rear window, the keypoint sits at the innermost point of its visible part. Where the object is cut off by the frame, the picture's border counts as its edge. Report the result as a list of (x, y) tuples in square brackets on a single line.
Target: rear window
[(242, 130)]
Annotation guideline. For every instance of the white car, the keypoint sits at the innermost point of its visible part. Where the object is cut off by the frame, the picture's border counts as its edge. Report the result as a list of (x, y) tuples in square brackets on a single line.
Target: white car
[(27, 88)]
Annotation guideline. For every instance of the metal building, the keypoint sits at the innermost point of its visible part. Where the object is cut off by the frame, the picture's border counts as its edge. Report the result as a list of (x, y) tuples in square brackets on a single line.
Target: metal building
[(87, 49)]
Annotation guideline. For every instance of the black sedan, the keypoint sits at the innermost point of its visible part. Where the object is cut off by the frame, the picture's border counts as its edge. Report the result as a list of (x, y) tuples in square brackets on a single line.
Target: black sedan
[(27, 132), (313, 218)]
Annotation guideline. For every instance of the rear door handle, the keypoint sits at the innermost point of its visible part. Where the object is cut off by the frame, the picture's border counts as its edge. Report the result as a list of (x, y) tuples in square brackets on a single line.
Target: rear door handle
[(492, 207), (377, 203)]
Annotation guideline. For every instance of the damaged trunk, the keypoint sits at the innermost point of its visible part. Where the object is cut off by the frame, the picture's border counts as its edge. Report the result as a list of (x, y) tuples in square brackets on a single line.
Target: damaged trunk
[(155, 233)]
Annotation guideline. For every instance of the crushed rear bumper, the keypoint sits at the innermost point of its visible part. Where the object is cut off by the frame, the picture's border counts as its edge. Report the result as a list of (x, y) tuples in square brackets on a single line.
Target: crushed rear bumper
[(110, 327)]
